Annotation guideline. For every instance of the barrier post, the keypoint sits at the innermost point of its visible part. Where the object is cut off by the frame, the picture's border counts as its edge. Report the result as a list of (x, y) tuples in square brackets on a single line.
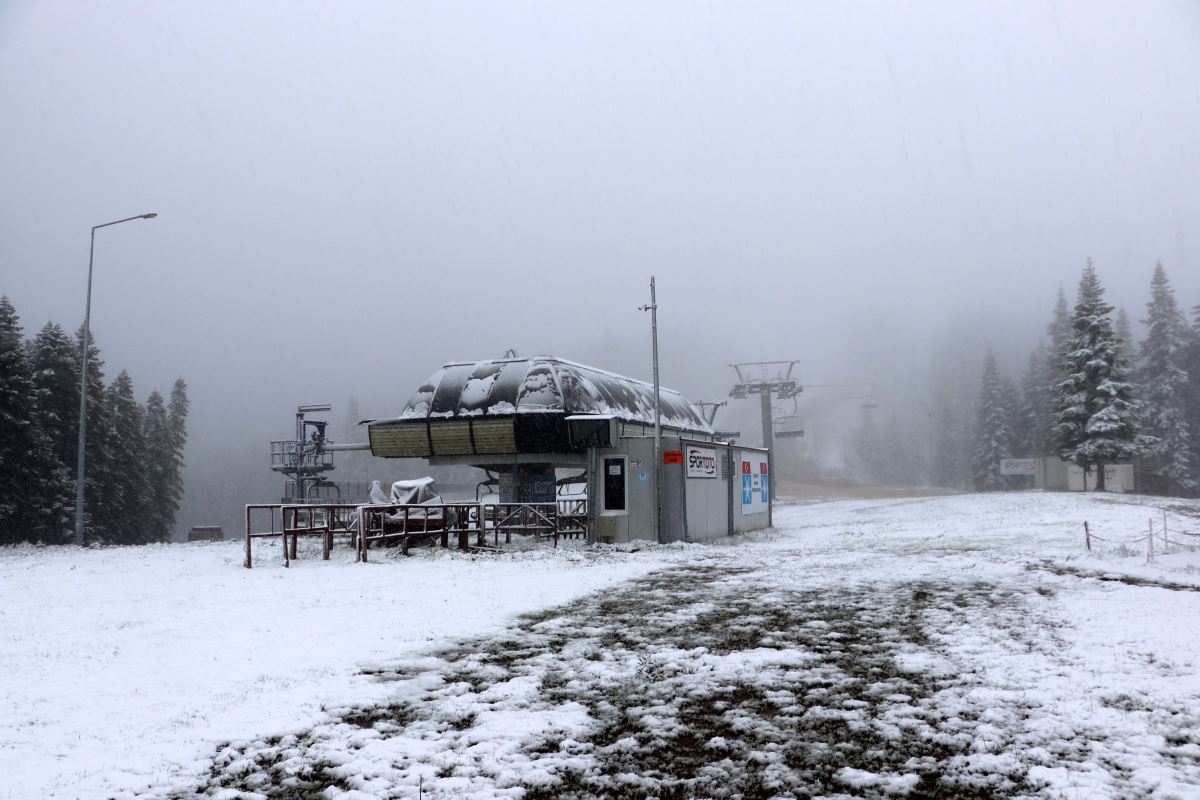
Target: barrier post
[(247, 537), (1087, 536), (1150, 544), (1166, 541)]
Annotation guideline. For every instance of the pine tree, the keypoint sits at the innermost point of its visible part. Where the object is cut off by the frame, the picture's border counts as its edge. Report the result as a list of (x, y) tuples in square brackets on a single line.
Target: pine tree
[(19, 449), (1059, 334), (56, 380), (1192, 363), (98, 477), (993, 430), (1164, 382), (1095, 409), (1033, 428), (160, 460), (1126, 349), (126, 494), (55, 365), (177, 412)]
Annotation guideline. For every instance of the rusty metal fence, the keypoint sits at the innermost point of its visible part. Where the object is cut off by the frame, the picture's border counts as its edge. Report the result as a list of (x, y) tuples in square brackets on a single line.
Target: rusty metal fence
[(365, 526)]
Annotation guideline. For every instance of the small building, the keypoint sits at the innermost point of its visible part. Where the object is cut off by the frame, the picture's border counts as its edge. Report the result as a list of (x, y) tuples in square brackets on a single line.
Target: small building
[(528, 419), (206, 533)]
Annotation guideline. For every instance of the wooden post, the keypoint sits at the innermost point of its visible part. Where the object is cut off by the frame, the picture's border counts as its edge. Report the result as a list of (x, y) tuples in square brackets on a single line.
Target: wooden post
[(1166, 541), (463, 540), (1087, 536), (362, 533), (365, 534), (328, 533), (1150, 543), (247, 537)]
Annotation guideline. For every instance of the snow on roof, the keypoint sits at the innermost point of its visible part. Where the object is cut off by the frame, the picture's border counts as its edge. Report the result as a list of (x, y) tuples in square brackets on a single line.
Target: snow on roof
[(540, 384)]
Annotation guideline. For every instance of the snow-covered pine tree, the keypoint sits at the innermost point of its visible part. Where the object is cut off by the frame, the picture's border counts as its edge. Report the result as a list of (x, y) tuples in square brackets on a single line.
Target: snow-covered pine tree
[(55, 363), (160, 460), (1058, 334), (19, 450), (1163, 379), (1095, 406), (993, 429), (1126, 348), (1192, 364), (177, 411), (98, 477), (127, 493), (1033, 427)]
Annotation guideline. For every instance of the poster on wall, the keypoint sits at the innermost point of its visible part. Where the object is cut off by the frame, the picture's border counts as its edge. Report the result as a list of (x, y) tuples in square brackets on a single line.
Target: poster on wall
[(756, 487), (701, 462)]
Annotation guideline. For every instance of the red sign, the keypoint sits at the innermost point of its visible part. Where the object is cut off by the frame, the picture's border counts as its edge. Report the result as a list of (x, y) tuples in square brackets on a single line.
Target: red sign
[(745, 467), (762, 468), (672, 456)]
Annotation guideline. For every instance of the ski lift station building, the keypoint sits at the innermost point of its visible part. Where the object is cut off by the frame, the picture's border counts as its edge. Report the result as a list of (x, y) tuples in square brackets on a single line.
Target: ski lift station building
[(526, 419)]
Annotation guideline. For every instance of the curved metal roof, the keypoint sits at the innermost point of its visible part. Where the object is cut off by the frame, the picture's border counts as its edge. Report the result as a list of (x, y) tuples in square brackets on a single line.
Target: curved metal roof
[(541, 384)]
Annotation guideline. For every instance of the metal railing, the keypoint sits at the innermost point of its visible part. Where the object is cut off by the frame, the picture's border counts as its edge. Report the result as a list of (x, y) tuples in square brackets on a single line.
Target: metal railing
[(291, 521), (336, 492), (404, 524), (287, 454)]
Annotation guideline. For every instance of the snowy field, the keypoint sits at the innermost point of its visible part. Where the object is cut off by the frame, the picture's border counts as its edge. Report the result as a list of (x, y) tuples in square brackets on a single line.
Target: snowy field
[(947, 646)]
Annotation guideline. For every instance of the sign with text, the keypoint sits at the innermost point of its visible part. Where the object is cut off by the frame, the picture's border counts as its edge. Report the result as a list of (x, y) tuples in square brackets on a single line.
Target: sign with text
[(756, 487), (701, 462), (672, 456), (1018, 466)]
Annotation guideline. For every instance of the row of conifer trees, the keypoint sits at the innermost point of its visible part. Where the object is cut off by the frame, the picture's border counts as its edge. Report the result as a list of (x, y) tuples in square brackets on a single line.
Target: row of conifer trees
[(1094, 396), (134, 451)]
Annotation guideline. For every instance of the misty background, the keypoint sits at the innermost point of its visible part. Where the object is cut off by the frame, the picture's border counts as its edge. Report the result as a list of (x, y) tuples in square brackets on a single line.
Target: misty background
[(352, 194)]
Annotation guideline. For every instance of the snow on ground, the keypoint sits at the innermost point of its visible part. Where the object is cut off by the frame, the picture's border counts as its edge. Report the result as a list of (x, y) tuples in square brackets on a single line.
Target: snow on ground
[(946, 646), (123, 667)]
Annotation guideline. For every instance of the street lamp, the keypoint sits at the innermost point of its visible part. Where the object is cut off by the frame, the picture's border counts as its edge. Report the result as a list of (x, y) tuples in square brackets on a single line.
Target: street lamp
[(83, 395)]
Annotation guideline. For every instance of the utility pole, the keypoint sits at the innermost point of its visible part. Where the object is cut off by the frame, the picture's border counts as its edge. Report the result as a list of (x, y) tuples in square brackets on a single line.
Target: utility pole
[(653, 309)]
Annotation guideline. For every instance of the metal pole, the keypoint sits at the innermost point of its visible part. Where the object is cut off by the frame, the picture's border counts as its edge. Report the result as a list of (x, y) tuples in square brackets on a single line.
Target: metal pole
[(83, 397), (83, 374), (657, 418), (768, 433)]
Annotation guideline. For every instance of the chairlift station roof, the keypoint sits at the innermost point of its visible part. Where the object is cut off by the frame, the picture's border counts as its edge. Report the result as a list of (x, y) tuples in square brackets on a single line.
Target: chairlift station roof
[(519, 406)]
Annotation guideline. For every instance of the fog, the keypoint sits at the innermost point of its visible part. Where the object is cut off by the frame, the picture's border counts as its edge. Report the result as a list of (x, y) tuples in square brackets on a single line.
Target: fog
[(350, 195)]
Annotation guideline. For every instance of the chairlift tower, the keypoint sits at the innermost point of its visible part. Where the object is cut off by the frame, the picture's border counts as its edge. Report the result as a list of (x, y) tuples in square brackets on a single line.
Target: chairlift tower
[(774, 379), (306, 458)]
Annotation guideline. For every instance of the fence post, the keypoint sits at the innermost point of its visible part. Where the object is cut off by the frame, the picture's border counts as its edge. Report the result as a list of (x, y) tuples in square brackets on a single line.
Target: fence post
[(1087, 536), (247, 537), (328, 542), (1166, 541), (366, 539), (1150, 543)]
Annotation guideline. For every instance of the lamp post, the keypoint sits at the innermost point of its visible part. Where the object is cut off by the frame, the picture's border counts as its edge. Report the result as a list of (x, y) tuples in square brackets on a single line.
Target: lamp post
[(83, 375)]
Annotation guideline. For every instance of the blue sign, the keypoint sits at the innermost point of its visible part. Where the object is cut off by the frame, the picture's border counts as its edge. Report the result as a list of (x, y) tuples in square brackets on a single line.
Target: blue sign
[(643, 476)]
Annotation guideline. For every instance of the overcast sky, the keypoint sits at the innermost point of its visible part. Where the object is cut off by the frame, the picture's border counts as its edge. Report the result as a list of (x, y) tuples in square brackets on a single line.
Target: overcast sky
[(351, 194)]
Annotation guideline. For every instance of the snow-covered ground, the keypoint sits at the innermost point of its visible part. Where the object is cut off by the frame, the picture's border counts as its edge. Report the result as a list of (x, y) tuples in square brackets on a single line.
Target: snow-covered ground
[(952, 645)]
